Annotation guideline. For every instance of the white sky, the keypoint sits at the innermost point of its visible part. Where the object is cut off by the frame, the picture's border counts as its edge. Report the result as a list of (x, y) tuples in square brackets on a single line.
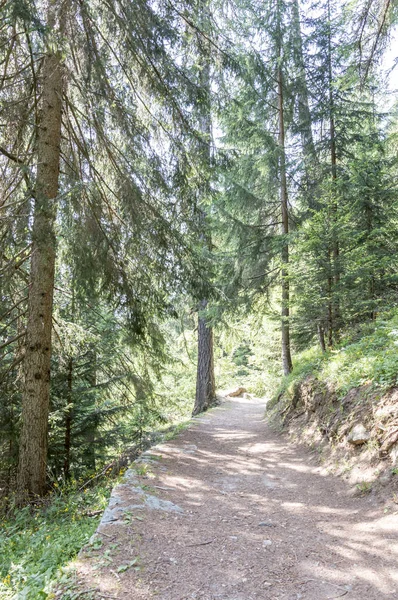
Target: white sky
[(389, 60)]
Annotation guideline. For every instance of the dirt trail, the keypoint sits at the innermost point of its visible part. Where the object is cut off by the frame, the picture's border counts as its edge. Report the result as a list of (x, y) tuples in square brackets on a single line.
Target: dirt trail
[(229, 510)]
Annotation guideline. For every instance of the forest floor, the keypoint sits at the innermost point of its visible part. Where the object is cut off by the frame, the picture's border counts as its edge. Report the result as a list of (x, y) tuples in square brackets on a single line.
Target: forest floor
[(231, 510)]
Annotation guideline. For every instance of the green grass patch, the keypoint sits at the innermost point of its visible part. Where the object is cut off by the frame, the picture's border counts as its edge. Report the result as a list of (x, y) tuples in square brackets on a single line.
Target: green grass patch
[(367, 355), (35, 543)]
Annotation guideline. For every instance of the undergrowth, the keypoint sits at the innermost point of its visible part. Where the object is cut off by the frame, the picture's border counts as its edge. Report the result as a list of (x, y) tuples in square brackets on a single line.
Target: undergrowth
[(367, 355), (35, 543)]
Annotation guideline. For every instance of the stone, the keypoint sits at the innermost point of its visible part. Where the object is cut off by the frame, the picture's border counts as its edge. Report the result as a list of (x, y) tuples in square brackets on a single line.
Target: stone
[(266, 524), (189, 449), (155, 503), (236, 392), (358, 435)]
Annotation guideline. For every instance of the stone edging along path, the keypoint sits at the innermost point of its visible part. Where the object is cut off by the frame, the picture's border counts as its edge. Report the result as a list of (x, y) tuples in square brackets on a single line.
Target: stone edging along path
[(230, 510)]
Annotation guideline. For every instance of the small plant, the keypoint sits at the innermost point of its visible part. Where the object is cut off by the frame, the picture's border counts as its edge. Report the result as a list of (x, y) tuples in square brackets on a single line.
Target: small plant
[(141, 469), (365, 487), (345, 466), (131, 563)]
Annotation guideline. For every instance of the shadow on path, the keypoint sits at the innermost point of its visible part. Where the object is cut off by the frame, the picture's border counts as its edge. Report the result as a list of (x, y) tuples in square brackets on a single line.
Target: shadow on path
[(229, 510)]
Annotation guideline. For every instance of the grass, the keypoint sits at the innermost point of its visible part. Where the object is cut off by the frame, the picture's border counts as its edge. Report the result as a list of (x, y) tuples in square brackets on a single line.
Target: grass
[(35, 543), (364, 356), (365, 487)]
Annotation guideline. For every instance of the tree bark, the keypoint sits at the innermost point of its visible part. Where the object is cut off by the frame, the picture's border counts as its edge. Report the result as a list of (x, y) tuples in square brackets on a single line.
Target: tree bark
[(205, 380), (321, 337), (304, 113), (330, 300), (372, 280), (333, 162), (68, 420), (31, 477), (205, 396), (285, 313), (91, 431)]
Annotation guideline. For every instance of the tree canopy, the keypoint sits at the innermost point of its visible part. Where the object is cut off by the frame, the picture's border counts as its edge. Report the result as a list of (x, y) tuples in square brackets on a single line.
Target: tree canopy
[(172, 171)]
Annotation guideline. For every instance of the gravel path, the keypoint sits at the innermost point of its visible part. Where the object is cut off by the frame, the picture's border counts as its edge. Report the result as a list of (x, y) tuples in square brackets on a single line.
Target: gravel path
[(229, 510)]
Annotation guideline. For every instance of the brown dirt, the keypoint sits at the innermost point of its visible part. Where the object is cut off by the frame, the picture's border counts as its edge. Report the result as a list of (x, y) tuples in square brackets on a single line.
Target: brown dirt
[(260, 520), (311, 413)]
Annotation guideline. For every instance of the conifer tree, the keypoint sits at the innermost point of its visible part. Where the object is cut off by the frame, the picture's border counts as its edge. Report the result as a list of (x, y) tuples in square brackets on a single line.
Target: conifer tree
[(205, 396), (117, 158), (37, 360), (257, 122)]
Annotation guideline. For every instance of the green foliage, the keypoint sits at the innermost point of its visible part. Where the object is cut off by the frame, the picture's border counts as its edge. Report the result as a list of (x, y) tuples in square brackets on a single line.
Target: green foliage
[(35, 543), (366, 355), (126, 224)]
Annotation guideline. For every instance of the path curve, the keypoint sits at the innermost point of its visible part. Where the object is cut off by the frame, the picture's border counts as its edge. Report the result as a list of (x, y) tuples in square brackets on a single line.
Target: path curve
[(230, 510)]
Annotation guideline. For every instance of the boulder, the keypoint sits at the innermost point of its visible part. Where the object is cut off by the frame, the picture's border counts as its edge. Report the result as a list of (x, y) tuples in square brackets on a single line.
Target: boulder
[(358, 435)]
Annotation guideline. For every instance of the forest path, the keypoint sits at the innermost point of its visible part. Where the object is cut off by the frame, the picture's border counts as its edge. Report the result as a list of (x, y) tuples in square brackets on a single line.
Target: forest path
[(230, 510)]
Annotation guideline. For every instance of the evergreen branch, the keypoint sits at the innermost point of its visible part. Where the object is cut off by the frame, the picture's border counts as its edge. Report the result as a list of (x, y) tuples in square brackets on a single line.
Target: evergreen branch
[(11, 341), (14, 364), (377, 38), (13, 261), (11, 156), (4, 315), (19, 315)]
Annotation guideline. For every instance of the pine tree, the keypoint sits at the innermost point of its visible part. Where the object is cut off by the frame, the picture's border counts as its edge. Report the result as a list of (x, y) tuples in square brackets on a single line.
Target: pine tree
[(205, 396), (120, 163), (37, 360)]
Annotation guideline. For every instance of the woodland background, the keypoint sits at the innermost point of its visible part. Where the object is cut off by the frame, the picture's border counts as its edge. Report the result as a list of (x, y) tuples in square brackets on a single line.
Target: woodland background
[(192, 194)]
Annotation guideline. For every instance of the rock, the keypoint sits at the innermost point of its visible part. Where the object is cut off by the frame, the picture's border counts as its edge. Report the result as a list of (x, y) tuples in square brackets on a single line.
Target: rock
[(158, 504), (236, 392), (189, 449), (358, 435), (267, 543)]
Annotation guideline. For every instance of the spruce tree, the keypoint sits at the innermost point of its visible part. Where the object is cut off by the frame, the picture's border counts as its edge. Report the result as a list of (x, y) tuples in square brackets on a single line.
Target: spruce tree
[(205, 395), (118, 159), (31, 479)]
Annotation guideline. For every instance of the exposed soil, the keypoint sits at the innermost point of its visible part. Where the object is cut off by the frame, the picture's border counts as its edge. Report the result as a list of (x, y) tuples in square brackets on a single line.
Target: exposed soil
[(230, 510), (312, 414)]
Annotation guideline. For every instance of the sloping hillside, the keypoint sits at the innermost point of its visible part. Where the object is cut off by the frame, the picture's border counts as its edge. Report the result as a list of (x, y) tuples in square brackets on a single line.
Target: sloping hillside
[(344, 404)]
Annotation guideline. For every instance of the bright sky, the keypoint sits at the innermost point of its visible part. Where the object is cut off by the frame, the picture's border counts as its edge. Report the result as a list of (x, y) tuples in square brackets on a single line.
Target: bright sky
[(390, 59)]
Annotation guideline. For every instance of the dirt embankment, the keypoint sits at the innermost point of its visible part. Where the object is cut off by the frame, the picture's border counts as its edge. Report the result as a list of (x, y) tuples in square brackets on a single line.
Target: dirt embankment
[(356, 436)]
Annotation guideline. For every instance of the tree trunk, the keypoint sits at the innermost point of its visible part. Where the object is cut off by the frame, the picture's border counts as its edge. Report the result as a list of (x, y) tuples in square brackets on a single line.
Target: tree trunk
[(205, 396), (334, 207), (91, 432), (68, 421), (205, 380), (304, 113), (286, 355), (31, 477), (330, 300), (372, 280), (321, 338)]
